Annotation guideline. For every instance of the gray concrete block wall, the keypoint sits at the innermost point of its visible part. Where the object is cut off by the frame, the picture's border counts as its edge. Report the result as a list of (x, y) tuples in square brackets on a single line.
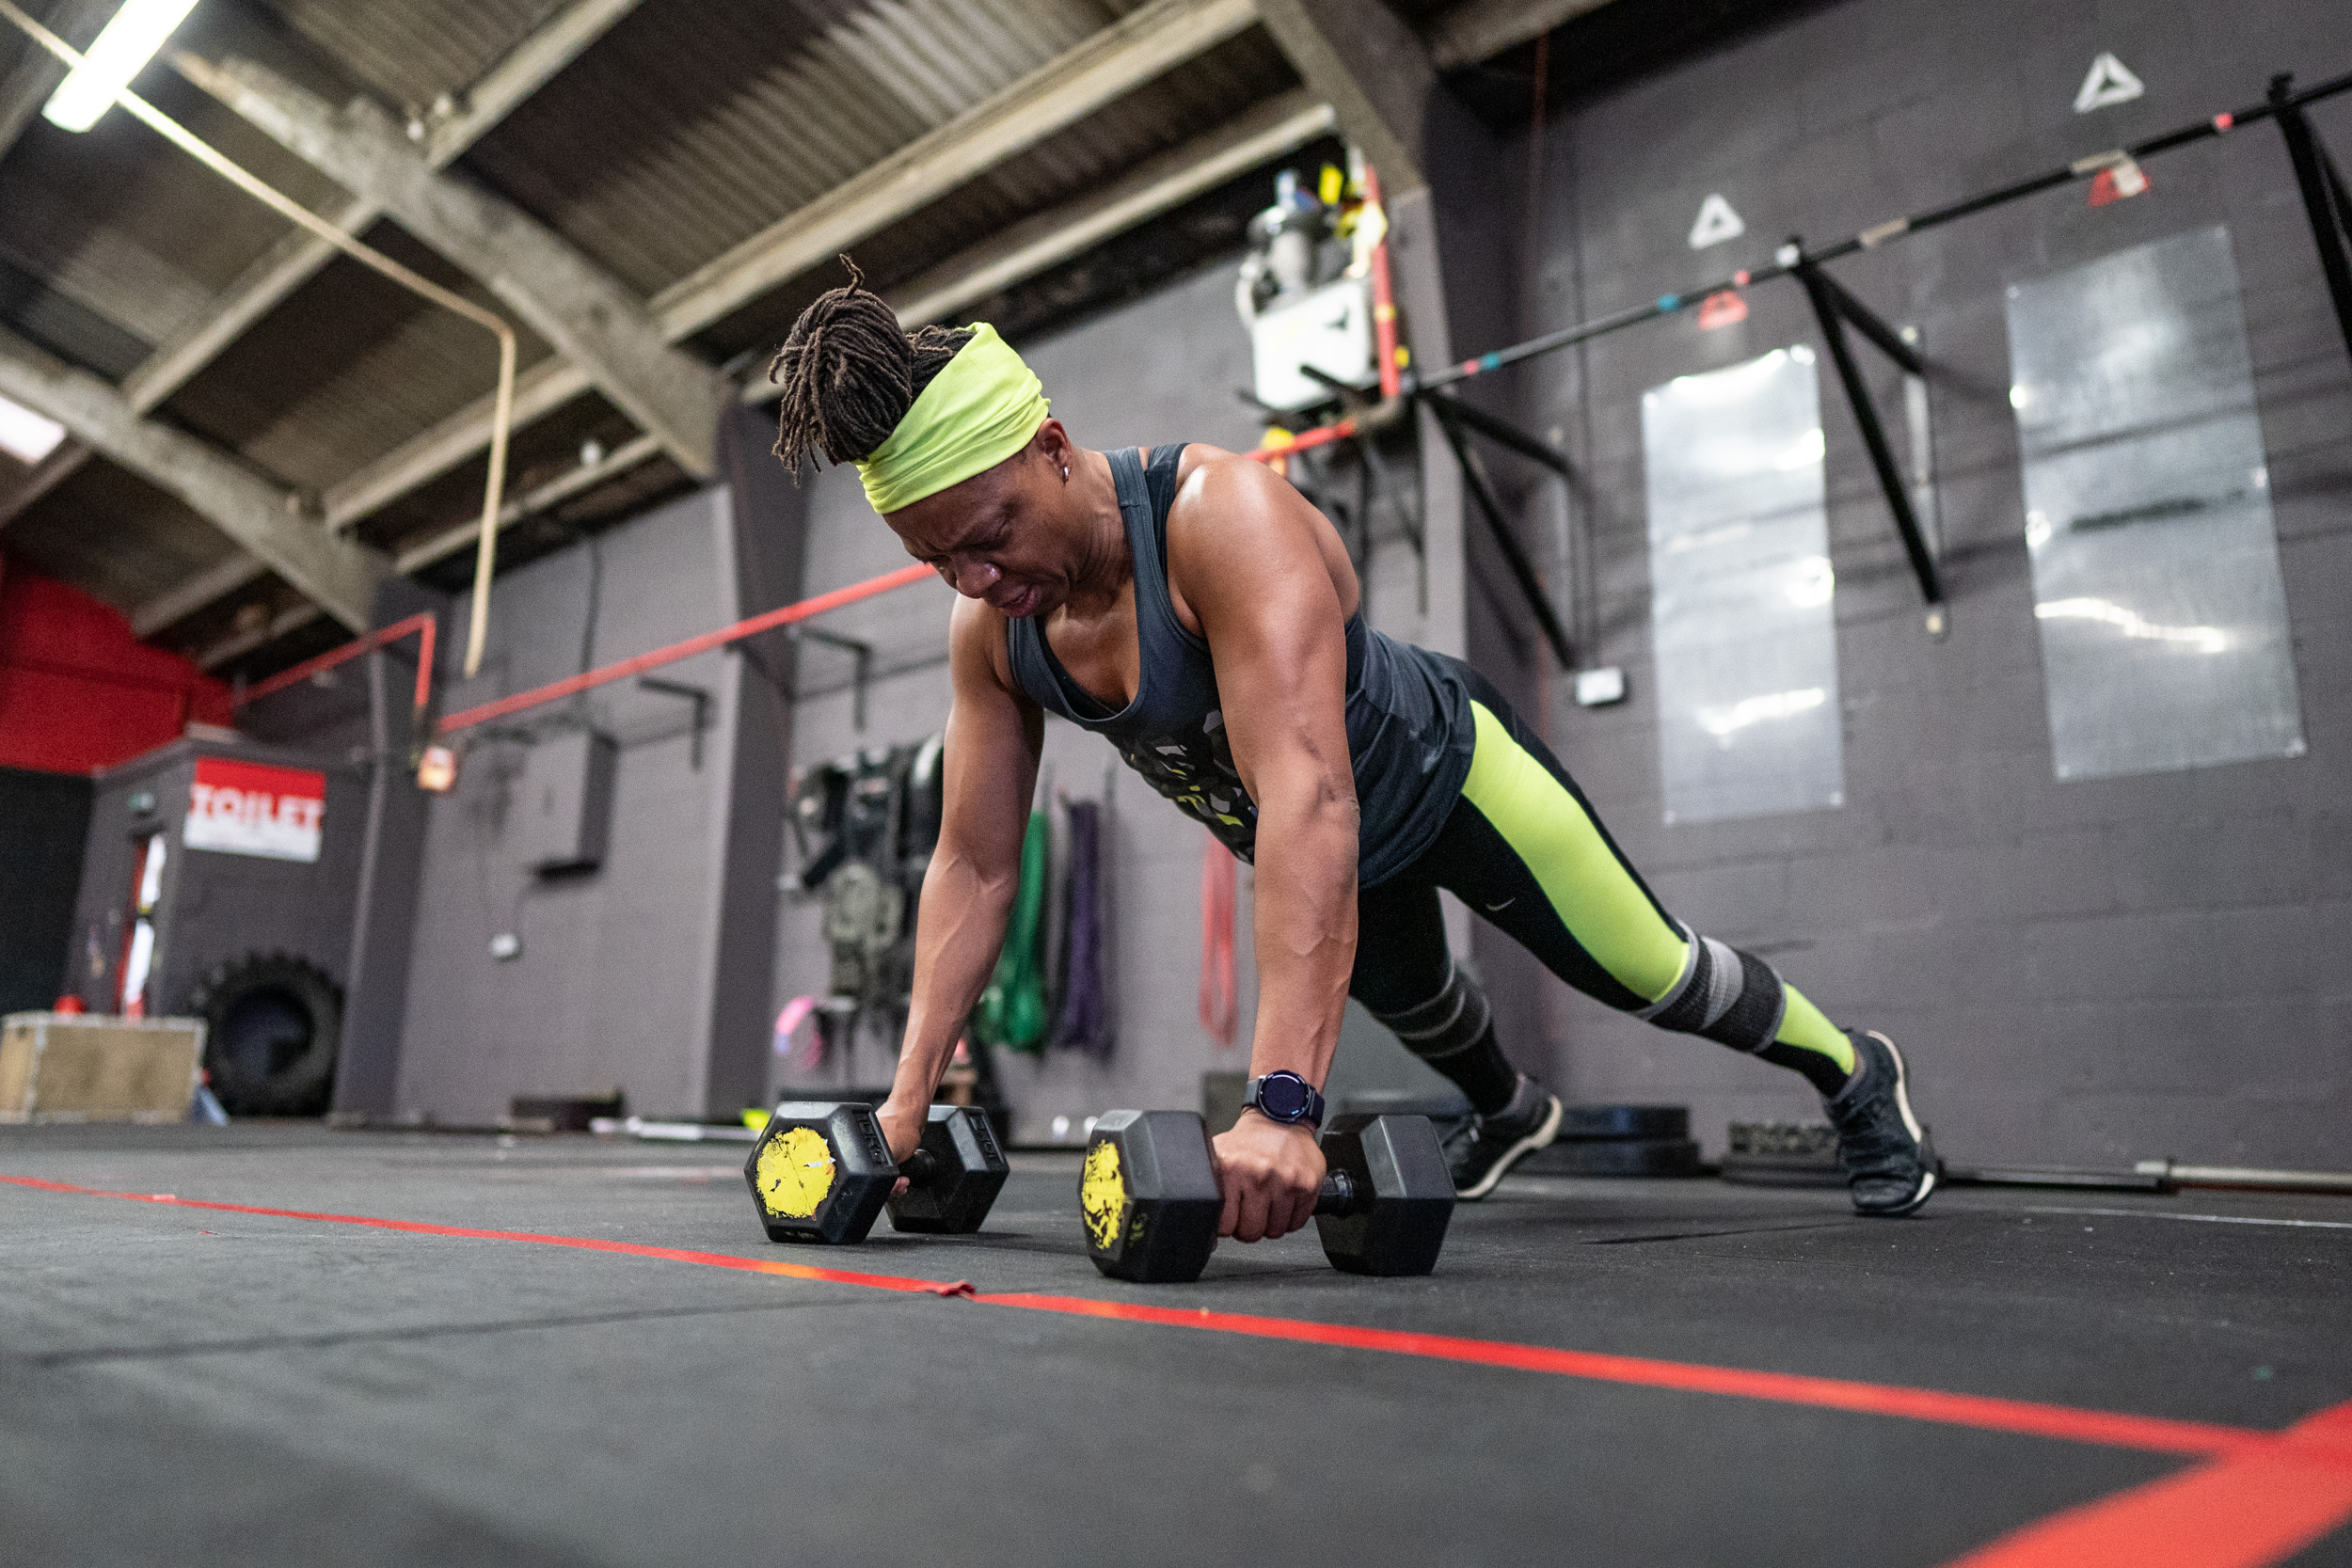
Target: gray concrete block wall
[(2088, 972), (610, 989)]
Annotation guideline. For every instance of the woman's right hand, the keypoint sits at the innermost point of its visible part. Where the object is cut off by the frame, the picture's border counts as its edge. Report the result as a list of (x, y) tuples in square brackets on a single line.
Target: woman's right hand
[(903, 1128)]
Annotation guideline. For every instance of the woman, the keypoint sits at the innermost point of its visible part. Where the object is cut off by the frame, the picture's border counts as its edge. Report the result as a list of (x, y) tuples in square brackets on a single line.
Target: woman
[(1195, 609)]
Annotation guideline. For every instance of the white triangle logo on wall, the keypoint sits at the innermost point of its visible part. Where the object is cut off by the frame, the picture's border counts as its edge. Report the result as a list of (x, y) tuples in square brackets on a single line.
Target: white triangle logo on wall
[(2110, 82), (1717, 223)]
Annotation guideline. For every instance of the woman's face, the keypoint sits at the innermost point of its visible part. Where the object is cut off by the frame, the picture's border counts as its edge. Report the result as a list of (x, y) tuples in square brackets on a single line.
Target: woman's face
[(1009, 534)]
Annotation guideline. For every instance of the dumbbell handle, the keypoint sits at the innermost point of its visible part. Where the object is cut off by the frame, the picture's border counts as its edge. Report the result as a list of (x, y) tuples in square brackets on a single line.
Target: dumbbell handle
[(1338, 1194), (919, 1167)]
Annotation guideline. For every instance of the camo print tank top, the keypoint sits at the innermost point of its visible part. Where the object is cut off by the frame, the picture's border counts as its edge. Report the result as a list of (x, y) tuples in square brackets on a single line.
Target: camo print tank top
[(1410, 730)]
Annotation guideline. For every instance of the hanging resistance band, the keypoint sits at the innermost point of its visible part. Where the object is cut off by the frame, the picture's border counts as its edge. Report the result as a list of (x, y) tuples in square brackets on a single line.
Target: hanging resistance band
[(1086, 1021)]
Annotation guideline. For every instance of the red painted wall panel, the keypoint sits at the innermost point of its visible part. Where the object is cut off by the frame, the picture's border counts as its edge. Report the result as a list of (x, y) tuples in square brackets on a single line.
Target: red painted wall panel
[(78, 691)]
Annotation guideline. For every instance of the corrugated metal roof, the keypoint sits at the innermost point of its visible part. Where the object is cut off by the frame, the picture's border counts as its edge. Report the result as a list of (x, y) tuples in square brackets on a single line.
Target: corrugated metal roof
[(410, 52), (1235, 76), (696, 123), (687, 128), (114, 536), (124, 225), (348, 368), (543, 451)]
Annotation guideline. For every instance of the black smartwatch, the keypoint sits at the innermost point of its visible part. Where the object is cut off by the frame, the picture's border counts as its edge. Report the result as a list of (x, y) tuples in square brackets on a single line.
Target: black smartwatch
[(1285, 1097)]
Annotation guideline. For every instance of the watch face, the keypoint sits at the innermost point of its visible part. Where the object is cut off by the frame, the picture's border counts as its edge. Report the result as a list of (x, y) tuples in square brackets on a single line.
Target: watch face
[(1283, 1096)]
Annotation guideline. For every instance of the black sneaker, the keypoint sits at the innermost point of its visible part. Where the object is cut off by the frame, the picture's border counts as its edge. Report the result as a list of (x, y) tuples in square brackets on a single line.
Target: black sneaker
[(1890, 1165), (1480, 1148)]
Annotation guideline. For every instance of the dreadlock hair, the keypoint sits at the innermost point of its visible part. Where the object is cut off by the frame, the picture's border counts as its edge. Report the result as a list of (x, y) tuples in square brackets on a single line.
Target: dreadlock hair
[(850, 375)]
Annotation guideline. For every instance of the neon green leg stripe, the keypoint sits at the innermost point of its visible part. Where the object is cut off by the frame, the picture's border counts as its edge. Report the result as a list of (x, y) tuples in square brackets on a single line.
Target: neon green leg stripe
[(1804, 1026), (1602, 907), (1589, 887)]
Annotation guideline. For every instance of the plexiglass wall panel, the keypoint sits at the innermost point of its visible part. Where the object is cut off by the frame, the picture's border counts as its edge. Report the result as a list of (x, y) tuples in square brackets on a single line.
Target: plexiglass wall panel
[(2156, 572), (1740, 592)]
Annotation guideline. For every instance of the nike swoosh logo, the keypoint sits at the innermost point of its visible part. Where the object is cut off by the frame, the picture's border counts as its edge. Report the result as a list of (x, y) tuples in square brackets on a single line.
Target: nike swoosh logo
[(1504, 905)]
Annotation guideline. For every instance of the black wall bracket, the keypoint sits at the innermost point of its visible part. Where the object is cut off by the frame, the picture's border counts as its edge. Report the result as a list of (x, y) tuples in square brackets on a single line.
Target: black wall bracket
[(1834, 307), (858, 648), (2327, 200), (700, 697), (1453, 418)]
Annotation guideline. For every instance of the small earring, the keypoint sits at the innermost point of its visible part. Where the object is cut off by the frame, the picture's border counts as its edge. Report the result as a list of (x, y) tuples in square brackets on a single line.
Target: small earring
[(1065, 473)]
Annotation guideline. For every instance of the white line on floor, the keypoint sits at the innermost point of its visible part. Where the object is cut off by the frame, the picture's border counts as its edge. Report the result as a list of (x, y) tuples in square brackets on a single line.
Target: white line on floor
[(2209, 1219)]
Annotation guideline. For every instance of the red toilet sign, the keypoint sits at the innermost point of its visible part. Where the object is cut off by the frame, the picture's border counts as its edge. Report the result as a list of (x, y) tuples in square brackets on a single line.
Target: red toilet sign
[(251, 808)]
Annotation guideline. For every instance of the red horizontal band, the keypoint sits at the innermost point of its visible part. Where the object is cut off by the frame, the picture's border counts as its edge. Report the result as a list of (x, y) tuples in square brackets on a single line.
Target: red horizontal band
[(637, 664)]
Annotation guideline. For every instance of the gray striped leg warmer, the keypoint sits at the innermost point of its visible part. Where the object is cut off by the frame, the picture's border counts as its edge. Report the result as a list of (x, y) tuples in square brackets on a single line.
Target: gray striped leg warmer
[(1728, 996)]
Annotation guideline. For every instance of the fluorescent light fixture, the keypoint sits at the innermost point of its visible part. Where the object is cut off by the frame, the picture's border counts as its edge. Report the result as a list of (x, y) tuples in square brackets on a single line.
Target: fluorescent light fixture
[(120, 53), (25, 435)]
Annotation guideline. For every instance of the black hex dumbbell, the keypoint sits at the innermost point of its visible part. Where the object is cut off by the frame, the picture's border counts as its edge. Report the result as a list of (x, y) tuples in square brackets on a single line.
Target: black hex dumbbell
[(823, 1172), (1149, 1198)]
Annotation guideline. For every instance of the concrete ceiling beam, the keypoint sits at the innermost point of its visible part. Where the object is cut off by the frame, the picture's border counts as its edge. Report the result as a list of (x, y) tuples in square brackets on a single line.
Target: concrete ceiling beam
[(1141, 48), (269, 522), (1481, 29), (1373, 70), (207, 588)]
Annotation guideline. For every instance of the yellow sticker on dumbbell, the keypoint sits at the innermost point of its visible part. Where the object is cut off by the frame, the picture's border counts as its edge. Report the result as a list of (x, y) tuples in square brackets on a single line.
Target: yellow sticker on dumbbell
[(1102, 1194), (796, 1171)]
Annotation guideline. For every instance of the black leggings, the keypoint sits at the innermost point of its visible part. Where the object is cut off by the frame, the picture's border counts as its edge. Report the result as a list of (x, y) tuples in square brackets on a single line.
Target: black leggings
[(1525, 849)]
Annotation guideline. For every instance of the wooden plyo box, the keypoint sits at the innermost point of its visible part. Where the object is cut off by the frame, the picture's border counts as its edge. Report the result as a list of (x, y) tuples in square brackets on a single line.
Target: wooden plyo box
[(88, 1066)]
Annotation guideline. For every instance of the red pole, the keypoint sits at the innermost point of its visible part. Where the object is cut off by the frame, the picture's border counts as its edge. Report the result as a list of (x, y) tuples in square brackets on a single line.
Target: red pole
[(625, 668), (421, 623), (1383, 299)]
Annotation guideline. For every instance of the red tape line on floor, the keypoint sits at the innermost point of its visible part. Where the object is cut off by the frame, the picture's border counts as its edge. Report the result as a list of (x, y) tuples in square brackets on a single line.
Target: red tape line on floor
[(2244, 1510), (2152, 1433)]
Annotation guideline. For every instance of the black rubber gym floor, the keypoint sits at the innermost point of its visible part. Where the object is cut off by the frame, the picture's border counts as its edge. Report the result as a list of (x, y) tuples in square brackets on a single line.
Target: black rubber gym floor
[(185, 1383)]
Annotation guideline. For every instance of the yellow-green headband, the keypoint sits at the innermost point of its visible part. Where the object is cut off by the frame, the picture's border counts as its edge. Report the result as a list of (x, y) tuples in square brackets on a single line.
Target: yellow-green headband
[(978, 411)]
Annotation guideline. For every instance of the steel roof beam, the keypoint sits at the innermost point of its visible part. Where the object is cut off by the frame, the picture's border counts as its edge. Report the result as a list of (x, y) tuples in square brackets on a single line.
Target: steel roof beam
[(1479, 30), (1371, 69), (337, 575), (588, 315), (1138, 49)]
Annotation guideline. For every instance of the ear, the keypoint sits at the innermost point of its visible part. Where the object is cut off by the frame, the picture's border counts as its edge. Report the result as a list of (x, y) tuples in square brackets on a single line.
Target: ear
[(1052, 443)]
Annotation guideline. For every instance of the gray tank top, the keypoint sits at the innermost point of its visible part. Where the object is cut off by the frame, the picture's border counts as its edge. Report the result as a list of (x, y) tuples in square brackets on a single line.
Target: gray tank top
[(1409, 729)]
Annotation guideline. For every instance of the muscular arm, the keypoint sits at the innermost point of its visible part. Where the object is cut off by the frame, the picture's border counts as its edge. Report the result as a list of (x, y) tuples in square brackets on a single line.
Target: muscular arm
[(1248, 554), (990, 758)]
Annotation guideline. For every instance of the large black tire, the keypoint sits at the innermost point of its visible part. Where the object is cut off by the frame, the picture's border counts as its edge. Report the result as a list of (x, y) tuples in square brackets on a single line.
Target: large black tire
[(272, 1024)]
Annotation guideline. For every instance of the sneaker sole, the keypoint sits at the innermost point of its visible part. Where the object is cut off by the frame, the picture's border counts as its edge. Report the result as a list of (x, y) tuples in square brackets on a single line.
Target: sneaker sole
[(1540, 1138), (1911, 1125)]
